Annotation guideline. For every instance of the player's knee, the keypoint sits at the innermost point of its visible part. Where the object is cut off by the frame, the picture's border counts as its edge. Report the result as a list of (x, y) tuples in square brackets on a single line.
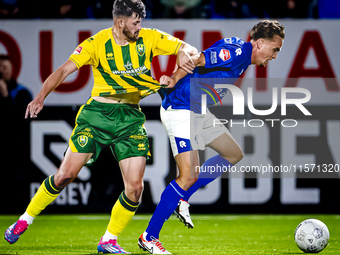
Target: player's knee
[(239, 156), (134, 190), (234, 157), (139, 190), (192, 181), (185, 182), (61, 180)]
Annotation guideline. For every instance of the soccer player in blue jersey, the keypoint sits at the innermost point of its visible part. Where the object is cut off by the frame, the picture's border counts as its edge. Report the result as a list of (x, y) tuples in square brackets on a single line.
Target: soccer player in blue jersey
[(181, 115)]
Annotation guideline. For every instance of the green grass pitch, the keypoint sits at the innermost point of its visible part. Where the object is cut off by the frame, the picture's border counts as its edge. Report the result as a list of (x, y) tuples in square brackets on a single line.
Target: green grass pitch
[(213, 234)]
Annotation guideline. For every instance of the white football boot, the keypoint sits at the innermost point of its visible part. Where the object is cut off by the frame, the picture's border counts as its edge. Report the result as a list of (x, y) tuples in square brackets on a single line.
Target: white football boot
[(154, 246), (182, 212)]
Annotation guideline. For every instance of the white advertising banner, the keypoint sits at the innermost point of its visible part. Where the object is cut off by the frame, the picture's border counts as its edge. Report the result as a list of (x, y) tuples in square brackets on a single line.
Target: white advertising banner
[(310, 53)]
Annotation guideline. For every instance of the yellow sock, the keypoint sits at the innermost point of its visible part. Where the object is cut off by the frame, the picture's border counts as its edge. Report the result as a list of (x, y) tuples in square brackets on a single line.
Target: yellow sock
[(122, 213), (45, 195)]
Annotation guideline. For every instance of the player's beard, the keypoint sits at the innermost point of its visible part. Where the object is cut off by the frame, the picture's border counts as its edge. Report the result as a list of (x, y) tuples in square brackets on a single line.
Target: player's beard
[(130, 37)]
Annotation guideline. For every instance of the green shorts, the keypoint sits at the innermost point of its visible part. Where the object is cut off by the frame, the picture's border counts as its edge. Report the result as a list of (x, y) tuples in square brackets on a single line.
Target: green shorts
[(120, 126)]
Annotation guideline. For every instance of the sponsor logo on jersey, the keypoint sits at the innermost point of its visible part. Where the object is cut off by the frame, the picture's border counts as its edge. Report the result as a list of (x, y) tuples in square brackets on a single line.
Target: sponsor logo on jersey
[(140, 48), (132, 72), (128, 65), (109, 56), (213, 57), (78, 50), (224, 54), (227, 40), (238, 52)]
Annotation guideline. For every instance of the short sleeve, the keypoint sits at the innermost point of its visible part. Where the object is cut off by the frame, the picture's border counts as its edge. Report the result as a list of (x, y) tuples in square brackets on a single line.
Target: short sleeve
[(84, 54), (166, 44)]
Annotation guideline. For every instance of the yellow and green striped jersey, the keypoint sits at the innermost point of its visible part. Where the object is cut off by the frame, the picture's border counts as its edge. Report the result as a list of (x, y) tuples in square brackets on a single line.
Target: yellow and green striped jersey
[(124, 69)]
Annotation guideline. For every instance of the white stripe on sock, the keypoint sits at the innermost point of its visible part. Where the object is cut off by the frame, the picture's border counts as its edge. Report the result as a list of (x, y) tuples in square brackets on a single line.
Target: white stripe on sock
[(176, 190)]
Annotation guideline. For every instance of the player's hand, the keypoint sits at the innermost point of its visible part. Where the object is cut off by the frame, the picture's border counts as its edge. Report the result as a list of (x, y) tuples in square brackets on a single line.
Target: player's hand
[(185, 62), (34, 107), (167, 81)]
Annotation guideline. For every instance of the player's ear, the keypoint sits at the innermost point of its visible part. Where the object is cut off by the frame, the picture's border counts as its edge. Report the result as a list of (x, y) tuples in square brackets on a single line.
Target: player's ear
[(119, 21), (259, 43)]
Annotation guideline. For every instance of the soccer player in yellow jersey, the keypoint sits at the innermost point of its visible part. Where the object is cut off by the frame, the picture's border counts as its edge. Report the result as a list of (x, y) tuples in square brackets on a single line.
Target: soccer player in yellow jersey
[(121, 58)]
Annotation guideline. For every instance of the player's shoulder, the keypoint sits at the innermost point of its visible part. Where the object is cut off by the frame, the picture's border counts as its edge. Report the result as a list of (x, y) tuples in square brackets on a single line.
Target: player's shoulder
[(231, 42), (150, 32), (153, 32), (234, 41), (94, 42), (151, 35), (101, 36), (234, 48)]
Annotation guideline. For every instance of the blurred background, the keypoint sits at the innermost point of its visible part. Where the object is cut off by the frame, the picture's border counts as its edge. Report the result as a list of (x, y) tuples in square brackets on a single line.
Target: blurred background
[(187, 9), (38, 36)]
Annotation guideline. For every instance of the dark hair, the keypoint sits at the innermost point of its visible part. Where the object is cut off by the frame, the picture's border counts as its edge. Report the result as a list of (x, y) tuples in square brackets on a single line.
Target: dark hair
[(267, 29), (128, 7), (4, 57)]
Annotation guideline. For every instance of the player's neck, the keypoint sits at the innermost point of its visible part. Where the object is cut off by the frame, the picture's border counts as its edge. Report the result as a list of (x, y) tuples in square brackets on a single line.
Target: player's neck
[(119, 37), (253, 53)]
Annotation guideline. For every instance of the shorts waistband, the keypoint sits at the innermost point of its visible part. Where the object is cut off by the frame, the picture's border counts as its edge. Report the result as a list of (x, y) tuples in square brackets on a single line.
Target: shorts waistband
[(91, 101)]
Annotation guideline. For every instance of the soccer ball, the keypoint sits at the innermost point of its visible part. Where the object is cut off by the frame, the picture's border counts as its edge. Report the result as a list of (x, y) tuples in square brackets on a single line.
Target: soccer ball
[(311, 236)]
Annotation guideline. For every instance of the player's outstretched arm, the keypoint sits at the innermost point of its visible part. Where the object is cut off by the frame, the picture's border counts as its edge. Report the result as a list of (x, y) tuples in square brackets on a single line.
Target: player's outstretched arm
[(198, 60), (170, 82), (184, 57), (52, 82)]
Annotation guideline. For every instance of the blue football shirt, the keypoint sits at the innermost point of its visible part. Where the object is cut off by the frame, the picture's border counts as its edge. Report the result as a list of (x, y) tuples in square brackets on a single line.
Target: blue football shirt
[(225, 61)]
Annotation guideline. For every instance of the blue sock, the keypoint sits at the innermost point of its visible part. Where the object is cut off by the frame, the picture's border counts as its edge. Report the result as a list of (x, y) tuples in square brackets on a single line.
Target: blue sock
[(206, 177), (167, 205)]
